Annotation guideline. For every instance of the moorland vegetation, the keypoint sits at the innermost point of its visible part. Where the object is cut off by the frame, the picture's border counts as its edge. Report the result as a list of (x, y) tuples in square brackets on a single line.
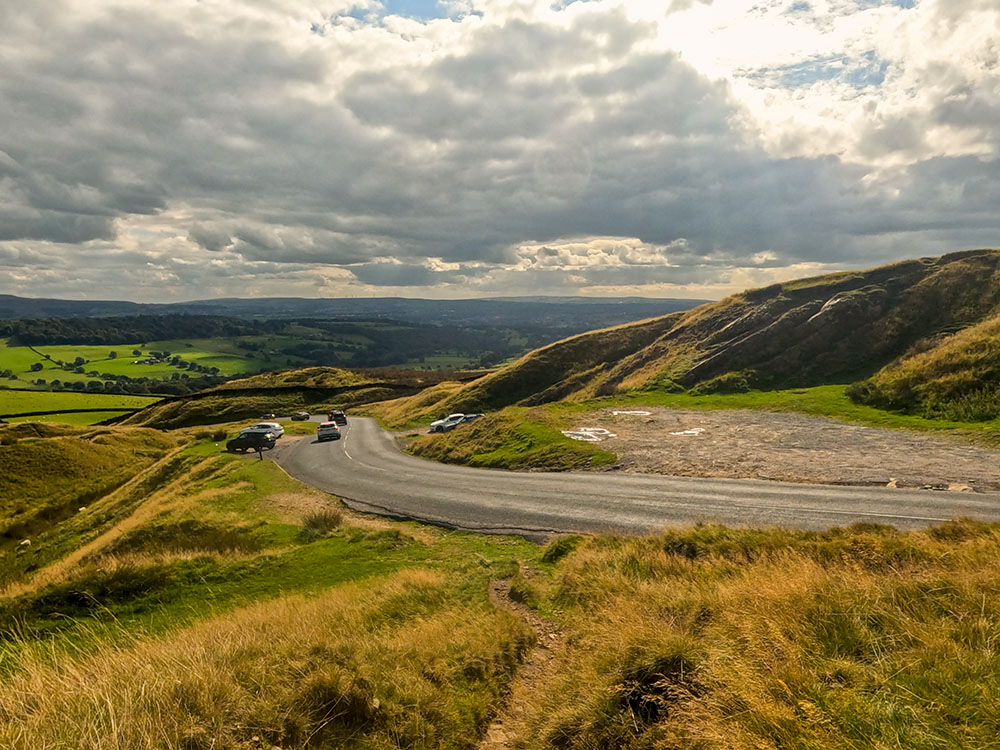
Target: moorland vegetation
[(213, 602)]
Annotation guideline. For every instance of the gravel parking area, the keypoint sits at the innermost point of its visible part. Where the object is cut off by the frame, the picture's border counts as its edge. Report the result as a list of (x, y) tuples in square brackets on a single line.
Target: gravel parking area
[(791, 447)]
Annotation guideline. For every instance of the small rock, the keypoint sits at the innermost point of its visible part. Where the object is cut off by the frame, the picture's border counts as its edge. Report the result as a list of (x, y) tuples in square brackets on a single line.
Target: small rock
[(892, 483), (956, 487)]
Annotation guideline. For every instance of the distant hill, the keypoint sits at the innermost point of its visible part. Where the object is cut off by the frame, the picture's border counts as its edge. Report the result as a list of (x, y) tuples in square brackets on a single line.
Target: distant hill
[(576, 313), (313, 389), (829, 329)]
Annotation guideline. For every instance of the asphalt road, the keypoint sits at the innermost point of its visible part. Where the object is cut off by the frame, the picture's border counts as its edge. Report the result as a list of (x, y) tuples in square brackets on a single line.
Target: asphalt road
[(371, 474)]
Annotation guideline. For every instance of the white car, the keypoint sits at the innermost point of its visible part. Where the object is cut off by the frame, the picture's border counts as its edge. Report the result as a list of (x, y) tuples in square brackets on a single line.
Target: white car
[(328, 431), (448, 423), (273, 427)]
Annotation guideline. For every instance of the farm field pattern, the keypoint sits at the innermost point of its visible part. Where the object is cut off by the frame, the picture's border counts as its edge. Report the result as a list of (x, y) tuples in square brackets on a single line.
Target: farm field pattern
[(20, 402), (220, 353)]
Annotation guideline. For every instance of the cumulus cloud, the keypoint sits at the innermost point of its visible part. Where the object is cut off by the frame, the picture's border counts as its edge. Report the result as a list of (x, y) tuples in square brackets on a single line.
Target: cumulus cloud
[(231, 147)]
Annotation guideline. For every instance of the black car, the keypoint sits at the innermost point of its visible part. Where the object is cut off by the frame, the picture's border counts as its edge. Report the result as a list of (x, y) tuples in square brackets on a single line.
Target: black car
[(301, 416), (251, 441), (338, 416)]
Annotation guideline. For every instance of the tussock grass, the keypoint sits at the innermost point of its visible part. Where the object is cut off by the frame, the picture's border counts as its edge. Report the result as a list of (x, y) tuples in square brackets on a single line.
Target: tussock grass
[(716, 638), (403, 663), (319, 523), (187, 535), (514, 438)]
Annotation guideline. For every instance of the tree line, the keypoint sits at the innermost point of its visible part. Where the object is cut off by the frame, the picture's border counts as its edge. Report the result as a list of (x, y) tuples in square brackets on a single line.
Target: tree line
[(128, 330)]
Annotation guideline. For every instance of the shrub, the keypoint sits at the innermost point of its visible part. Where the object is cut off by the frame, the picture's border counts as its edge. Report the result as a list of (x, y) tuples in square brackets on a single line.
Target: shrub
[(320, 523), (730, 382)]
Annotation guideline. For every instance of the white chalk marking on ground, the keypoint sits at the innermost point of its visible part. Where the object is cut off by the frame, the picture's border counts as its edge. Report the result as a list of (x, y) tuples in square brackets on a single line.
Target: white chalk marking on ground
[(691, 432), (589, 434), (632, 413)]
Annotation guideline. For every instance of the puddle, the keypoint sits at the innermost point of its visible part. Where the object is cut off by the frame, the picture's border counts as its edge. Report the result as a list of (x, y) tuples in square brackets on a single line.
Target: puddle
[(589, 434), (692, 432)]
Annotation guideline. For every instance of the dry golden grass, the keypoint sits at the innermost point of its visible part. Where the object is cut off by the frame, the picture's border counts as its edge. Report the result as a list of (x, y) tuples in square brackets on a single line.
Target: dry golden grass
[(729, 639), (400, 412), (402, 663), (956, 377)]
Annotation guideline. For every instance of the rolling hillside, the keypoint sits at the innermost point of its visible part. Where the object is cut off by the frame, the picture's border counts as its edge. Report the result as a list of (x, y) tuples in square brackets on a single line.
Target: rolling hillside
[(200, 600), (315, 389), (829, 329)]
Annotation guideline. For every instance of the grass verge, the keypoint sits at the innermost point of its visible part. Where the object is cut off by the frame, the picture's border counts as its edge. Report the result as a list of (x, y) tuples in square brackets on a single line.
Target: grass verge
[(513, 438)]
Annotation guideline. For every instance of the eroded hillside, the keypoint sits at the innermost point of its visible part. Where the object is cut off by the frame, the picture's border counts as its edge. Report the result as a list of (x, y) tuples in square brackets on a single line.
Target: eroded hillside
[(829, 329)]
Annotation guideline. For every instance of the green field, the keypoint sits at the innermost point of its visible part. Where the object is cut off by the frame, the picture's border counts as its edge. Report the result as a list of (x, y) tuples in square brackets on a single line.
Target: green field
[(19, 402), (221, 353)]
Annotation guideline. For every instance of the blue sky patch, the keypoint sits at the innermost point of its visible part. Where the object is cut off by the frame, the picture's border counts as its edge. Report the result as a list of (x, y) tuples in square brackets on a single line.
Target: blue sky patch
[(422, 9), (868, 70)]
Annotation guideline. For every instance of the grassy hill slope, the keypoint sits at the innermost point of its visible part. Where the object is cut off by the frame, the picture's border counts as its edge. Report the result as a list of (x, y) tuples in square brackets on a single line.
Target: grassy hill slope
[(315, 389), (48, 473), (828, 329), (947, 377)]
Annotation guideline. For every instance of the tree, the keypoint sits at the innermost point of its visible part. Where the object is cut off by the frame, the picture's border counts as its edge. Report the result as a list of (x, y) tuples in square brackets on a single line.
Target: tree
[(112, 355), (35, 366), (136, 353), (79, 361)]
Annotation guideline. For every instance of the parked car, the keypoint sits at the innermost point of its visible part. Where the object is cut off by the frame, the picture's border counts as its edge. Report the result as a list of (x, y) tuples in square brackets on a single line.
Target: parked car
[(327, 431), (273, 427), (250, 441), (301, 416), (338, 416), (471, 417), (269, 415), (448, 423)]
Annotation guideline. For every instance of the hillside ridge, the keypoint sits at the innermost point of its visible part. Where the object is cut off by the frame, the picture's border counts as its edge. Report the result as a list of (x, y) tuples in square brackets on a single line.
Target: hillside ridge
[(836, 328)]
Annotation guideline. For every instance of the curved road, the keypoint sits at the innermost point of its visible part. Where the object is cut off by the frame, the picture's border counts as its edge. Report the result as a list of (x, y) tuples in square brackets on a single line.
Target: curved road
[(371, 474)]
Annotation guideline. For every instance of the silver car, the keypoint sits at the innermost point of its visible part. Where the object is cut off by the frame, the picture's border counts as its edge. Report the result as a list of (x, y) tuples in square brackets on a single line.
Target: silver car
[(448, 423)]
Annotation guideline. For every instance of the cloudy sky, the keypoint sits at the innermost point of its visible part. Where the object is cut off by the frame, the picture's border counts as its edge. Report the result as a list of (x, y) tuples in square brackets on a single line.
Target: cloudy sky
[(166, 150)]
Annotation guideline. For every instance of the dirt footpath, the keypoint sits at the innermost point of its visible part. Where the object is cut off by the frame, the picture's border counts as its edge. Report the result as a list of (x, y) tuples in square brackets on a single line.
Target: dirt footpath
[(791, 447)]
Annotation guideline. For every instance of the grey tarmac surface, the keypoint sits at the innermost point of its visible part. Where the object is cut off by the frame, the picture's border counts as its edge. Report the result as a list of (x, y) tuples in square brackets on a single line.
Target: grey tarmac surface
[(371, 474)]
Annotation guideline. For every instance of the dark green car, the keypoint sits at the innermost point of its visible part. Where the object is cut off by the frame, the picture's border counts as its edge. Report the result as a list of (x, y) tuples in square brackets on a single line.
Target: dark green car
[(251, 441)]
